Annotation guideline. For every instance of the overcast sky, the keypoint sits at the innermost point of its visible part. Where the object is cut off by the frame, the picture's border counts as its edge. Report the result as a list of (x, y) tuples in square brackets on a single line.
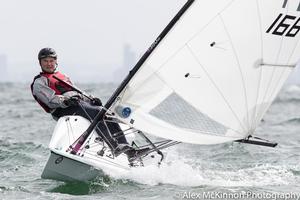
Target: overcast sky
[(88, 35)]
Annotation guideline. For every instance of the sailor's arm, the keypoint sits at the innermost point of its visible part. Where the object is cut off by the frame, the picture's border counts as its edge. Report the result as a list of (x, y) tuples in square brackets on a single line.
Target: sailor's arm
[(69, 94), (45, 94)]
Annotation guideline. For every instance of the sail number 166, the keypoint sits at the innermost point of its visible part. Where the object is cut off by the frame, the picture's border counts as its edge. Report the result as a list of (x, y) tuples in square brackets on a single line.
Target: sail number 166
[(288, 26)]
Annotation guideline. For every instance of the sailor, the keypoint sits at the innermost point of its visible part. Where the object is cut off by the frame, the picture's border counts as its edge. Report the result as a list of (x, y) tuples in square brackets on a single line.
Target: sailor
[(60, 99)]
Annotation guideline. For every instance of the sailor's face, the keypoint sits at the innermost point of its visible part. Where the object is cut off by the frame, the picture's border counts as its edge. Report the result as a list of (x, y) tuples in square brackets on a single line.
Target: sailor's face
[(48, 64)]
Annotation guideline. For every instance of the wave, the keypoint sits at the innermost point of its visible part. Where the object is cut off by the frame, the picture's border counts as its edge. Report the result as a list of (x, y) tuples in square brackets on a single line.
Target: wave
[(292, 88), (293, 121), (14, 154), (180, 173), (290, 93), (287, 99)]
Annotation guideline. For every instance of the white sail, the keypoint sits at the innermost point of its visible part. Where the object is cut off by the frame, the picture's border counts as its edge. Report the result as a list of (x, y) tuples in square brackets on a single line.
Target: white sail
[(217, 71)]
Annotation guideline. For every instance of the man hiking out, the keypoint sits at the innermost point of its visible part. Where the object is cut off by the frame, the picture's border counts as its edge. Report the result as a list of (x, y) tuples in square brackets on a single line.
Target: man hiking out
[(57, 95)]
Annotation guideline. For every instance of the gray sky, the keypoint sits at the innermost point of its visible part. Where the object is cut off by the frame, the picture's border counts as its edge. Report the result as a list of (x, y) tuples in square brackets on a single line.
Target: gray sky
[(88, 35)]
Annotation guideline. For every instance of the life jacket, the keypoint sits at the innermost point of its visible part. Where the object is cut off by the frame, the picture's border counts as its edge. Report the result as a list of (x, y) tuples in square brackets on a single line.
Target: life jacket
[(58, 86)]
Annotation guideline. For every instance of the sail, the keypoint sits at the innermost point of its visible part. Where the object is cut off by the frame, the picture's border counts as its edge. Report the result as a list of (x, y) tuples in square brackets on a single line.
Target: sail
[(215, 73)]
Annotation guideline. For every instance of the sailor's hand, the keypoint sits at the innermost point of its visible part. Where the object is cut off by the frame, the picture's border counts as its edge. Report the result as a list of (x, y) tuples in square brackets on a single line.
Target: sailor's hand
[(96, 101), (72, 101)]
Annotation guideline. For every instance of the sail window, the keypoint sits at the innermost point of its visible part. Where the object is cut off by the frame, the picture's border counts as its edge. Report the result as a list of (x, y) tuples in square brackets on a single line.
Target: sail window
[(176, 111)]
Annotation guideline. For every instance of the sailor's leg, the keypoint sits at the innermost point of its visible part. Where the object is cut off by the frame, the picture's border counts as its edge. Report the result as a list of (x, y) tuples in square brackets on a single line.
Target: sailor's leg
[(88, 111), (104, 131), (117, 146), (117, 132)]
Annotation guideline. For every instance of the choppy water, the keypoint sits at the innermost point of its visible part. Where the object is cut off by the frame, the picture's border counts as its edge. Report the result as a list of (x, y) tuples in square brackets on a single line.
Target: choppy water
[(239, 171)]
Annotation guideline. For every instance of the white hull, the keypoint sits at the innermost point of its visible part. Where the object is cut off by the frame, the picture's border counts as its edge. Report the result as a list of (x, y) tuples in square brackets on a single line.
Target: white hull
[(64, 166)]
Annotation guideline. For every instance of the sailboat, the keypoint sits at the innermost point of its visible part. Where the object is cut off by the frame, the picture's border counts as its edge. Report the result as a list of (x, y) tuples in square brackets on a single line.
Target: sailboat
[(208, 78)]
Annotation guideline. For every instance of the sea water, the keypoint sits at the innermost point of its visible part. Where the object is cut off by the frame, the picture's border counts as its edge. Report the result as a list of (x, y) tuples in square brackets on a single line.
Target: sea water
[(224, 171)]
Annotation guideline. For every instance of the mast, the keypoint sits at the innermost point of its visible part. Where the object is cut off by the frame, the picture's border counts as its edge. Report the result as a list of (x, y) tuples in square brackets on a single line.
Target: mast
[(148, 53), (132, 72)]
